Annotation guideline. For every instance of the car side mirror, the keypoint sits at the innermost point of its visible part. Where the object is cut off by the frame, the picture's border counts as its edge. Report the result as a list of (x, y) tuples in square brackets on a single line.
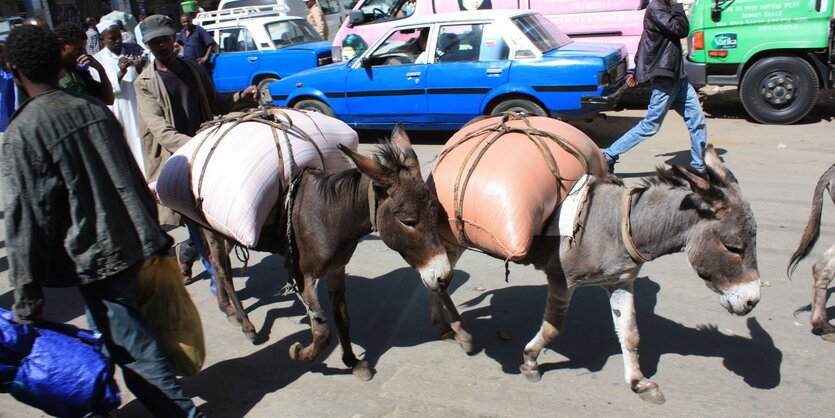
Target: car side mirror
[(365, 62), (356, 17)]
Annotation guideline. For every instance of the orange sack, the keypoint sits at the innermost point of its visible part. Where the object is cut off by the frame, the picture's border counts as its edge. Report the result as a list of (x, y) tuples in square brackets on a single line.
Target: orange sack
[(497, 180)]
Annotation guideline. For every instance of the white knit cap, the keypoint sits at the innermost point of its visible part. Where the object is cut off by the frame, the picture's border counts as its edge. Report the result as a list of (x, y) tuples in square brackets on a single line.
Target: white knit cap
[(105, 24)]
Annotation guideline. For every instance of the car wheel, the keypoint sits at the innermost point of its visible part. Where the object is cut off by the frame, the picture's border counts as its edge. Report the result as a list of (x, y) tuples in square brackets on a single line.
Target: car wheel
[(779, 90), (519, 106), (263, 91), (315, 106)]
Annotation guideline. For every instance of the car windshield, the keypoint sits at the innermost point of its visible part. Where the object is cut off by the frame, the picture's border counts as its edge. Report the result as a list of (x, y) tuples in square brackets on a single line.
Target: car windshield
[(544, 34), (292, 32)]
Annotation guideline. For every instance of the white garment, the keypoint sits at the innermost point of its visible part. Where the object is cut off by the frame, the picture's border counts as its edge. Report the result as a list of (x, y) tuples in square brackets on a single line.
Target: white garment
[(124, 105)]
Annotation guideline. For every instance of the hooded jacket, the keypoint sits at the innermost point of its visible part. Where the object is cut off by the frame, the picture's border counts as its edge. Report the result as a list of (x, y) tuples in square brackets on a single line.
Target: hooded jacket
[(659, 52)]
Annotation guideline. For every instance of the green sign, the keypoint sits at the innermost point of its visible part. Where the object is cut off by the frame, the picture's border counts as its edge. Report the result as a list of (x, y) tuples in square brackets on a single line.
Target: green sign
[(725, 40)]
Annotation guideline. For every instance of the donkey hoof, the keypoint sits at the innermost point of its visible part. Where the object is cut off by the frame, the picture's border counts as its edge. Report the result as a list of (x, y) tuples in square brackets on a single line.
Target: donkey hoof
[(649, 392), (829, 337), (250, 334), (531, 373), (362, 371), (295, 350)]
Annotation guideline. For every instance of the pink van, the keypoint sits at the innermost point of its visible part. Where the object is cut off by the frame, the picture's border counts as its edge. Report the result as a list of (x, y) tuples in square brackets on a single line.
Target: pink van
[(613, 21)]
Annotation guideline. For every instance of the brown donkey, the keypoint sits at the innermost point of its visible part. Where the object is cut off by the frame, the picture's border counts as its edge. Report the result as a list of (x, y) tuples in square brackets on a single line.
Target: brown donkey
[(823, 271), (330, 213), (673, 212)]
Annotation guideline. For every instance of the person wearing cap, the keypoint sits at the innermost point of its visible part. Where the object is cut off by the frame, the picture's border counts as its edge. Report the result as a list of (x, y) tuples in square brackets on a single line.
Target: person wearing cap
[(175, 96), (122, 64)]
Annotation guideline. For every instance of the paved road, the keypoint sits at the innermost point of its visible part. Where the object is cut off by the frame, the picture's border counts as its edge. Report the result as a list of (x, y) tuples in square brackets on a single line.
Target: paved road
[(706, 361)]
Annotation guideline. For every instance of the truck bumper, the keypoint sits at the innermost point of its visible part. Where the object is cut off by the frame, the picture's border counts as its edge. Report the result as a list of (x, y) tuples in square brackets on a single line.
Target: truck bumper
[(602, 103), (696, 72)]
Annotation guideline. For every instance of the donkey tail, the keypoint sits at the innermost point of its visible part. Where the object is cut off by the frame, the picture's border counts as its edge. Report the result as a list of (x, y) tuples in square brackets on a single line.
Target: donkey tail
[(812, 231)]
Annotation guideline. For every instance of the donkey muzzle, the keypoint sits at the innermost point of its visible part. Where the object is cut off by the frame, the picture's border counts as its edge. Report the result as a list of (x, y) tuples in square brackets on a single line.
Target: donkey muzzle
[(740, 299), (436, 273)]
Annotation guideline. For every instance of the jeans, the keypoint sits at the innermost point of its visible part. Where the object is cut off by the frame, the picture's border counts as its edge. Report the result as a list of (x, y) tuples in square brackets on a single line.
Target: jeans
[(667, 94), (130, 343), (197, 240)]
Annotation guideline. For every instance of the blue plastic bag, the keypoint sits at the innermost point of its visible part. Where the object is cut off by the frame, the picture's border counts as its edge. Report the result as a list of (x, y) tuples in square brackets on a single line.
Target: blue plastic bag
[(57, 368)]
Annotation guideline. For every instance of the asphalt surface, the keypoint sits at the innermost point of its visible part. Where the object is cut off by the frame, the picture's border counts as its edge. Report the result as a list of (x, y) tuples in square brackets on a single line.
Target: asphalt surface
[(706, 361)]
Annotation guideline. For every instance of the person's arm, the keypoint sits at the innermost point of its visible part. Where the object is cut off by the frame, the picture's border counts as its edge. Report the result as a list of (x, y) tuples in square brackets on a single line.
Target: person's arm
[(221, 105), (25, 218), (208, 41), (103, 90), (673, 24), (151, 113)]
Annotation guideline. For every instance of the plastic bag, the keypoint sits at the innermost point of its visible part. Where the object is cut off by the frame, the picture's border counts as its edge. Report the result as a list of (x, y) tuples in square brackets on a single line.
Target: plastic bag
[(167, 307), (57, 368)]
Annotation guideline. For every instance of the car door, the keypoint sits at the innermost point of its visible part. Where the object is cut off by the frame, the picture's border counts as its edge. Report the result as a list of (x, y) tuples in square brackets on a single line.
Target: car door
[(470, 61), (237, 59), (389, 84)]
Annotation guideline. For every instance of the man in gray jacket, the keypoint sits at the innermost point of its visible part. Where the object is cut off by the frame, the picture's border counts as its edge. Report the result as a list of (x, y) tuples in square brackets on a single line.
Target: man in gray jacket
[(174, 96), (78, 213), (659, 61)]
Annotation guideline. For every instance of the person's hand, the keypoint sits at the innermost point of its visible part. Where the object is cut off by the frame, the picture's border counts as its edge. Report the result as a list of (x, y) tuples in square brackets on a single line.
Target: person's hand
[(630, 80), (202, 60), (124, 63), (85, 59), (137, 61), (249, 94)]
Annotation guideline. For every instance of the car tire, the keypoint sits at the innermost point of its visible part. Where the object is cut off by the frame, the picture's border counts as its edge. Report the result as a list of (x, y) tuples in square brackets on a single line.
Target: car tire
[(779, 90), (262, 87), (315, 106), (520, 106)]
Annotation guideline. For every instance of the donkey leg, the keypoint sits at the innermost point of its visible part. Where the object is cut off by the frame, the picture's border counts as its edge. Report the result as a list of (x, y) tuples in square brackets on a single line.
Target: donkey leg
[(219, 259), (318, 325), (622, 301), (556, 306), (823, 271), (336, 289), (464, 338)]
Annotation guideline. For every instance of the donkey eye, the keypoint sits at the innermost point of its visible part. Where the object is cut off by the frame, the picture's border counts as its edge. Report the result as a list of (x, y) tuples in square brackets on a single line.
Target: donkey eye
[(409, 222), (738, 250)]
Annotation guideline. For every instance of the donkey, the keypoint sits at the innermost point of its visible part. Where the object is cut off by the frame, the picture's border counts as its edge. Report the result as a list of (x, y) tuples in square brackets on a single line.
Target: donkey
[(824, 269), (676, 211), (330, 213)]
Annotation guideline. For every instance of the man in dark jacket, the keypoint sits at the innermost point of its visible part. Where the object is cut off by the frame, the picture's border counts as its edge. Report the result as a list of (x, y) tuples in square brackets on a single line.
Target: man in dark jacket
[(659, 61), (78, 213)]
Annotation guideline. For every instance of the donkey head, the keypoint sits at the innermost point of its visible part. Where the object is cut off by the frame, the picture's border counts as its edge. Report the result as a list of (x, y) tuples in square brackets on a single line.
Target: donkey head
[(407, 214), (722, 246)]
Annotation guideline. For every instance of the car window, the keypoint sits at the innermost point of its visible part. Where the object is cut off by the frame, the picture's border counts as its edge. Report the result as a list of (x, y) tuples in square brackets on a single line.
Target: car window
[(406, 46), (470, 43), (542, 32), (236, 40), (292, 32)]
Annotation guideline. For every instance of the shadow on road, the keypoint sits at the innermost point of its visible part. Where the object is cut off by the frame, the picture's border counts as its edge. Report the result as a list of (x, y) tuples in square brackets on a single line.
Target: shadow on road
[(513, 317)]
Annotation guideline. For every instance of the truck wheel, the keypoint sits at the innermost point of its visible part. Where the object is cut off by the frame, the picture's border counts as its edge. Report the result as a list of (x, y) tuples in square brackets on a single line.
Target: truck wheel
[(263, 91), (315, 106), (779, 90), (520, 106)]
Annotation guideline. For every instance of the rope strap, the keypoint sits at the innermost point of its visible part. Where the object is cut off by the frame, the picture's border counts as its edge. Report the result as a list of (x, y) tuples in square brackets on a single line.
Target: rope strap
[(625, 227)]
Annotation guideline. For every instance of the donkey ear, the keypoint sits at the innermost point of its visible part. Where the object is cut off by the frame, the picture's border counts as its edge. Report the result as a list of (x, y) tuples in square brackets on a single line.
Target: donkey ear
[(715, 165), (707, 193), (401, 141), (366, 165)]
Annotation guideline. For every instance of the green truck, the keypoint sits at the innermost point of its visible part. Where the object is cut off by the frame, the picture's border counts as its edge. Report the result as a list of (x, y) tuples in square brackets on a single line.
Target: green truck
[(778, 52)]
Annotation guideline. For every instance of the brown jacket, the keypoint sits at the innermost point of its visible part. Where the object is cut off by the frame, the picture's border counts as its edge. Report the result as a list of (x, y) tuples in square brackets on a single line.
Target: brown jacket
[(156, 121)]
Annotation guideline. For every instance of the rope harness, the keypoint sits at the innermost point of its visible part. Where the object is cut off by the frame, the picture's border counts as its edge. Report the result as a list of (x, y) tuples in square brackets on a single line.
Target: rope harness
[(488, 136), (625, 226)]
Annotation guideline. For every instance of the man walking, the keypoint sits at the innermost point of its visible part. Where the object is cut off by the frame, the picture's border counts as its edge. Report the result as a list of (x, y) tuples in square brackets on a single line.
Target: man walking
[(78, 213), (94, 44), (317, 18), (175, 96), (659, 61)]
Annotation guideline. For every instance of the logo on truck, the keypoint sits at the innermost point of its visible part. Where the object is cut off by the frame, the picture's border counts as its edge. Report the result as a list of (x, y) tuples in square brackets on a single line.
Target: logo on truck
[(724, 41)]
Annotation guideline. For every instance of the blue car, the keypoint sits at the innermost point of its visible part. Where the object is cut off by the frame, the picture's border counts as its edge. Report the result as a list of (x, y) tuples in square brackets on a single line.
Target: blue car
[(441, 71), (258, 49)]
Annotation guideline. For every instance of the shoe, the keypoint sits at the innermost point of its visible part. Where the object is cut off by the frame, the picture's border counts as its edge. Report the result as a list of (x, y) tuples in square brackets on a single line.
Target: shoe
[(185, 267)]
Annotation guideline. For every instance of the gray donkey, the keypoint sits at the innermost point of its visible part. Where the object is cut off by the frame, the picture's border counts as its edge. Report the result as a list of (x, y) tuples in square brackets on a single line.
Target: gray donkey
[(678, 210), (824, 269)]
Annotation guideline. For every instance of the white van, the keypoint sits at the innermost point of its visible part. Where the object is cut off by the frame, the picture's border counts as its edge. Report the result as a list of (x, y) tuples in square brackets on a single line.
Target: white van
[(334, 12)]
